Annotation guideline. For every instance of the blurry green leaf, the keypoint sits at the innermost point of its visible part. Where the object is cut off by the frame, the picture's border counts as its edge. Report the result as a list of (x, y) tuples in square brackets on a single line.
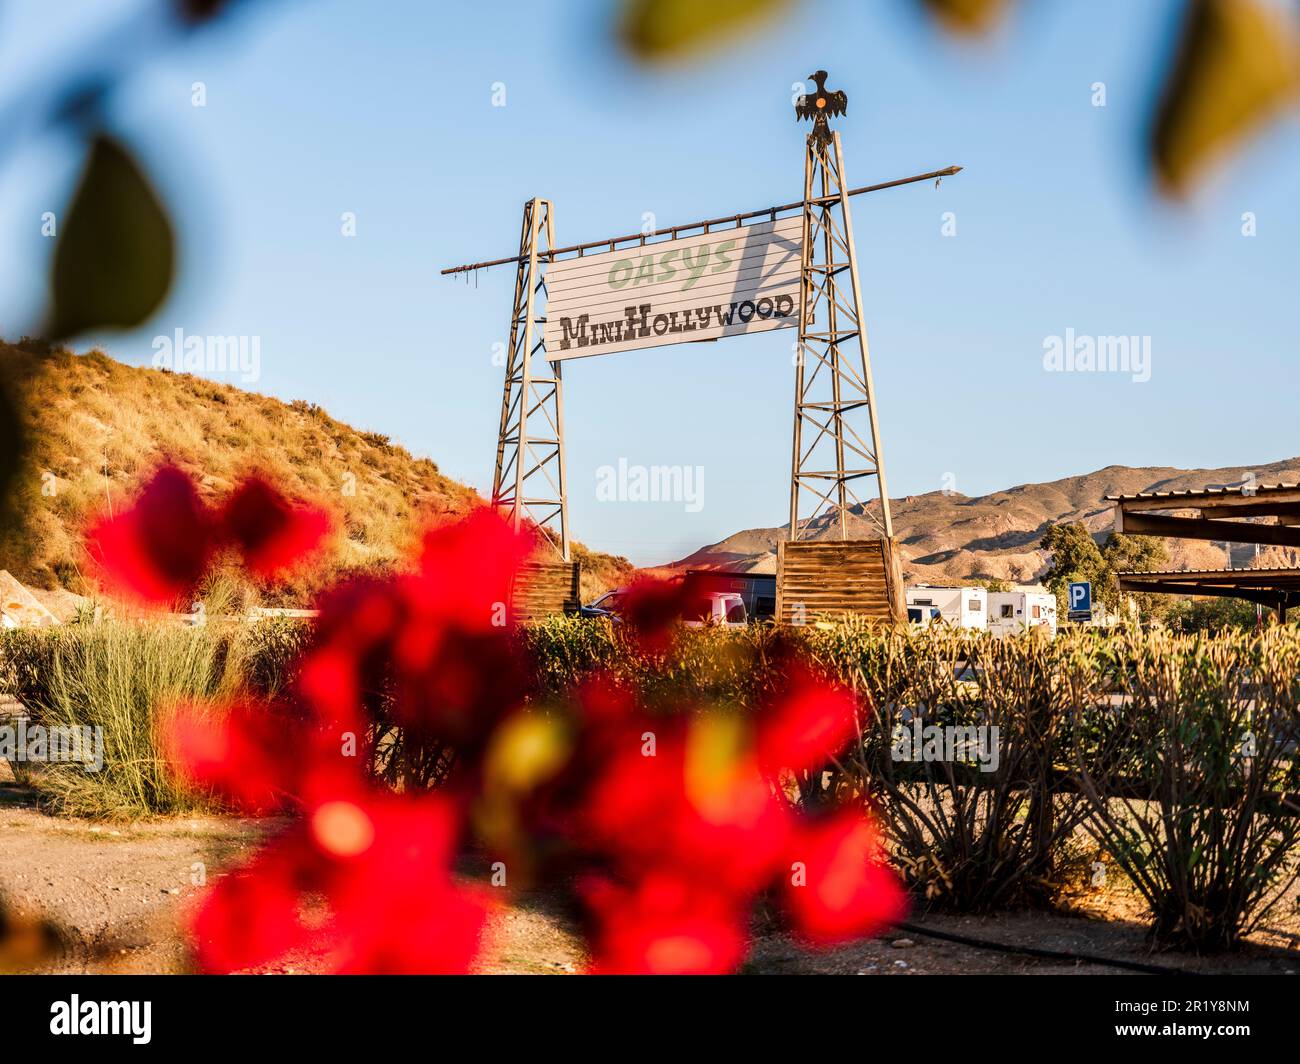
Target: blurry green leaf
[(1237, 67), (967, 16), (664, 29), (113, 265)]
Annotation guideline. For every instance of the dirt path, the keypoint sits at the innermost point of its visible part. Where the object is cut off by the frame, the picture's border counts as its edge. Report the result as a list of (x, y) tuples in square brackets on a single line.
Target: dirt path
[(120, 889), (115, 888)]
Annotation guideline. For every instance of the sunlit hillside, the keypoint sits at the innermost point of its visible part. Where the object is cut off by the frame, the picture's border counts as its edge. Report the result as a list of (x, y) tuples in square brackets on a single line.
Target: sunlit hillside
[(95, 426)]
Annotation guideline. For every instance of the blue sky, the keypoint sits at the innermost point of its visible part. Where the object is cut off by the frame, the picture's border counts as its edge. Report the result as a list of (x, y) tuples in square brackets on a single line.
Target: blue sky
[(385, 110)]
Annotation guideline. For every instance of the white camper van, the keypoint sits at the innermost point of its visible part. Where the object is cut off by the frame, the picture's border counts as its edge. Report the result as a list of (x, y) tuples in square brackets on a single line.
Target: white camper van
[(923, 616), (1012, 612), (960, 607)]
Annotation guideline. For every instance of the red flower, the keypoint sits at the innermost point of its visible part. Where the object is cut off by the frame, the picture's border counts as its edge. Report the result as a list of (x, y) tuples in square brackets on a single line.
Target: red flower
[(251, 916), (681, 818), (272, 533), (470, 568), (395, 907), (672, 823), (259, 757), (664, 925), (836, 887), (160, 547), (379, 869), (436, 642), (694, 806), (809, 722)]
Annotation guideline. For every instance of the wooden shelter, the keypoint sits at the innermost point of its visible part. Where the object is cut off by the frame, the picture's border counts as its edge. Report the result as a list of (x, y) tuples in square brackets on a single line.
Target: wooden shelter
[(1264, 514), (1277, 589), (544, 588)]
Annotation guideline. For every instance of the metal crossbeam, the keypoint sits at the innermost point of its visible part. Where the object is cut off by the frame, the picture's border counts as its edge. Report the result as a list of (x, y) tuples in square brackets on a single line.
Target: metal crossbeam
[(705, 226)]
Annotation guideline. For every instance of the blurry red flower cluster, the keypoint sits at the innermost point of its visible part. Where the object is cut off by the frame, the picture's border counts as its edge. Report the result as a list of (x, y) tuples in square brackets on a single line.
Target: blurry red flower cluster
[(677, 825), (161, 547), (666, 828)]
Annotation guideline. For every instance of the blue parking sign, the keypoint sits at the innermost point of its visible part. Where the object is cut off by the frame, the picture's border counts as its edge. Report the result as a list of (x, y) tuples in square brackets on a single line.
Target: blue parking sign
[(1081, 597)]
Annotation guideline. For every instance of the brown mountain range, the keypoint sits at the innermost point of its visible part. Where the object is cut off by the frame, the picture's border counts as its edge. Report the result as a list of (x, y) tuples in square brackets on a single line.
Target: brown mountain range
[(949, 538)]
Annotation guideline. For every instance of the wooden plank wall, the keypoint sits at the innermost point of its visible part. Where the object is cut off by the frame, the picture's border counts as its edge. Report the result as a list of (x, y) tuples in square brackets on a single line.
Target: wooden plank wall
[(545, 588), (838, 576)]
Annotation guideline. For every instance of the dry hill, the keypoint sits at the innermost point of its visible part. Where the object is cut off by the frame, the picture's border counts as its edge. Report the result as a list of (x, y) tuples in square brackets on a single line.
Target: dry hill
[(95, 426)]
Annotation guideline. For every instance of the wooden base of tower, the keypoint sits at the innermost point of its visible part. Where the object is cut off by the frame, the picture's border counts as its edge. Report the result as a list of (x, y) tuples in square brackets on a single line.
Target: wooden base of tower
[(830, 578), (545, 589)]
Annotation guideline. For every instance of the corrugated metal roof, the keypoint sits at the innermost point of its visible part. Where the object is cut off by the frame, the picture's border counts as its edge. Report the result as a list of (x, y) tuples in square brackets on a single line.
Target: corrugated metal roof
[(1201, 493), (1286, 570), (1190, 581)]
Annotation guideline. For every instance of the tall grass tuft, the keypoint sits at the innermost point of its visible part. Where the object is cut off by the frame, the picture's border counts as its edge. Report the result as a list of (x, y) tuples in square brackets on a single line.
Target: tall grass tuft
[(966, 834), (119, 678)]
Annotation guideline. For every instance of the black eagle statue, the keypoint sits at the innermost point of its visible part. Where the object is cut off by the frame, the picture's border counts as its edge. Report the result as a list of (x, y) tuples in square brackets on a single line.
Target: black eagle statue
[(820, 106)]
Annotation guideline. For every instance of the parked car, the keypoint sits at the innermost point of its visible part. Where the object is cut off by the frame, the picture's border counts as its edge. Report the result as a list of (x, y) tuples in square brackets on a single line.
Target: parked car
[(702, 608), (758, 590), (605, 606), (723, 608)]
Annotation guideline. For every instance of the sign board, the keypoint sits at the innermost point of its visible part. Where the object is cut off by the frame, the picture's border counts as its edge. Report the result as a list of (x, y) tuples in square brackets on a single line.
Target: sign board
[(1080, 601), (730, 282)]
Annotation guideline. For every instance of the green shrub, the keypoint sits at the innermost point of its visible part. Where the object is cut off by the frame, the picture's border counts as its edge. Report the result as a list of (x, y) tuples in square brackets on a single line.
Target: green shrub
[(1190, 768), (271, 648), (989, 827), (1177, 754)]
